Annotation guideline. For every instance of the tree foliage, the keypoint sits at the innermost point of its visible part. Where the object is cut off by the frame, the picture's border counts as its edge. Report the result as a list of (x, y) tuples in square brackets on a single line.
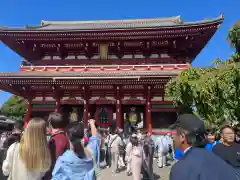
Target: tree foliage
[(14, 108), (234, 36), (213, 91)]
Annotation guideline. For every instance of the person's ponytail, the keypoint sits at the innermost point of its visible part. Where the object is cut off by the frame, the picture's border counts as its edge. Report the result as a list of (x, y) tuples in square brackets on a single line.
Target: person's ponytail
[(75, 132)]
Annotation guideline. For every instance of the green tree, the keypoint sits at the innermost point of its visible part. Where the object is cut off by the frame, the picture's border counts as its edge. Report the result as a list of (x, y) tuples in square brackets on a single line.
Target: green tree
[(214, 91), (234, 36), (181, 90), (14, 108)]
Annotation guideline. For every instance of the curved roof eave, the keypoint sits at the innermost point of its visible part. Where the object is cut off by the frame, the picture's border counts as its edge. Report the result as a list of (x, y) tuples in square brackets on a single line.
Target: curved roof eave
[(67, 27)]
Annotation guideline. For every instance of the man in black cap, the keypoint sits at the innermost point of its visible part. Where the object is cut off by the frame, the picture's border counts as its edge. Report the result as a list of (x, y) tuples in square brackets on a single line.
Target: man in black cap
[(197, 163)]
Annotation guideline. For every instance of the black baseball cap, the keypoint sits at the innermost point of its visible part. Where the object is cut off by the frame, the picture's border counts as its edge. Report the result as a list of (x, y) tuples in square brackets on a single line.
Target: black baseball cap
[(190, 123)]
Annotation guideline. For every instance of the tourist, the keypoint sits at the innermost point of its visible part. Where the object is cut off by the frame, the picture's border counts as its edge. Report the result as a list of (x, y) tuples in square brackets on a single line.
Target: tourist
[(148, 147), (108, 149), (128, 154), (197, 163), (139, 135), (170, 153), (101, 134), (136, 158), (228, 150), (79, 162), (163, 148), (58, 141), (122, 150), (211, 139), (3, 139), (114, 144), (16, 134), (30, 159)]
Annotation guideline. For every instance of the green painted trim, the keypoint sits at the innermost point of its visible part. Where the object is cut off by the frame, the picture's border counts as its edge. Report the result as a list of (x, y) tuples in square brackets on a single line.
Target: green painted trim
[(158, 106), (43, 106)]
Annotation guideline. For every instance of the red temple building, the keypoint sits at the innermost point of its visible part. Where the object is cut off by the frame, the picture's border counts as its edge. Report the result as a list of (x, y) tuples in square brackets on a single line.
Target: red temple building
[(110, 70)]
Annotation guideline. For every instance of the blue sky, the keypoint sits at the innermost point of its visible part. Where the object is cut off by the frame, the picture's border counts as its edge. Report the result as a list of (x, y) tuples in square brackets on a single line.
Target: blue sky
[(16, 13)]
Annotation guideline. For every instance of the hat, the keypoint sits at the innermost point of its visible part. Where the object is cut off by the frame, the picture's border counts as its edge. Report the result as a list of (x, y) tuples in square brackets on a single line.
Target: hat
[(134, 135), (120, 130), (191, 123)]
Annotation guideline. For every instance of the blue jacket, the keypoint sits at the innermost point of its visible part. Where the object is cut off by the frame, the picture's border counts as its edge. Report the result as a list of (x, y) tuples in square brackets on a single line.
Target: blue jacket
[(70, 167), (209, 146), (200, 164)]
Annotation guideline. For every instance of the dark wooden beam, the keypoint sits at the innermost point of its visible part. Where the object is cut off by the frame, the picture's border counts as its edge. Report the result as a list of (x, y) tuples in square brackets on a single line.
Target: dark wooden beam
[(20, 48)]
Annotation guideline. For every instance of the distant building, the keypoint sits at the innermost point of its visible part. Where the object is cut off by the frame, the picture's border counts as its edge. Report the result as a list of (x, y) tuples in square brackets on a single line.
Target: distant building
[(5, 123)]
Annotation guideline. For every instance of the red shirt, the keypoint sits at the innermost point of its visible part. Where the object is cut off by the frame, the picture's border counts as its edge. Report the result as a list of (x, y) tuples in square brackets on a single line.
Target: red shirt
[(58, 144), (61, 143)]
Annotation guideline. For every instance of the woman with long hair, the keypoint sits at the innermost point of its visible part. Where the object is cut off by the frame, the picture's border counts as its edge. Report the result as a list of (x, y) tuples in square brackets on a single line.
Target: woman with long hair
[(128, 154), (79, 162), (30, 159), (136, 158)]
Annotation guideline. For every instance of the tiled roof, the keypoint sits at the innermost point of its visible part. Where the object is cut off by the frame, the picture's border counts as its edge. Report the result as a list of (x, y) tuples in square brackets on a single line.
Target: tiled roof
[(90, 75), (114, 24)]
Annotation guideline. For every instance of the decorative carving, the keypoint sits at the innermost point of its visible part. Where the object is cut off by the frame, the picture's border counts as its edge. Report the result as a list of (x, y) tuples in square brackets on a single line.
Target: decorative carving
[(133, 87), (101, 87), (36, 87), (68, 87)]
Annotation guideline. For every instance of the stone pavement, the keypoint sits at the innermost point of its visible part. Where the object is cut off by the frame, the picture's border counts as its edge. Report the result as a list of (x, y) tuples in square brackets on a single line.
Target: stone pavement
[(162, 172)]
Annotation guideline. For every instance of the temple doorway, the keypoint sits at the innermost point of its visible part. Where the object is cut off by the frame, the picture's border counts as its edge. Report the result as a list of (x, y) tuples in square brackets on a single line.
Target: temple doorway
[(133, 117), (103, 114), (72, 112)]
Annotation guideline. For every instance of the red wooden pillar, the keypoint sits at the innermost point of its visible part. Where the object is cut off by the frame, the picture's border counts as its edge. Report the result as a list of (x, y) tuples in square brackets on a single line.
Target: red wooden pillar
[(148, 110), (118, 114), (118, 109), (28, 113), (85, 106)]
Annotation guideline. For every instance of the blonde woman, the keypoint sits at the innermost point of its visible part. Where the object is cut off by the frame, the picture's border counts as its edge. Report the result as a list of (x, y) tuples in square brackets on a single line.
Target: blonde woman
[(30, 159)]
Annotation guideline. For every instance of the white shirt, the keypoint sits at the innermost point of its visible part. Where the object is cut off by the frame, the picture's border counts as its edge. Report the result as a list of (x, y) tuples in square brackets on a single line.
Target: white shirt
[(13, 166), (186, 150)]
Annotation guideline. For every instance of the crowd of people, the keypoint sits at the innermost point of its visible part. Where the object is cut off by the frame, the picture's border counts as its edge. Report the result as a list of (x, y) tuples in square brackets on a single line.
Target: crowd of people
[(71, 152)]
